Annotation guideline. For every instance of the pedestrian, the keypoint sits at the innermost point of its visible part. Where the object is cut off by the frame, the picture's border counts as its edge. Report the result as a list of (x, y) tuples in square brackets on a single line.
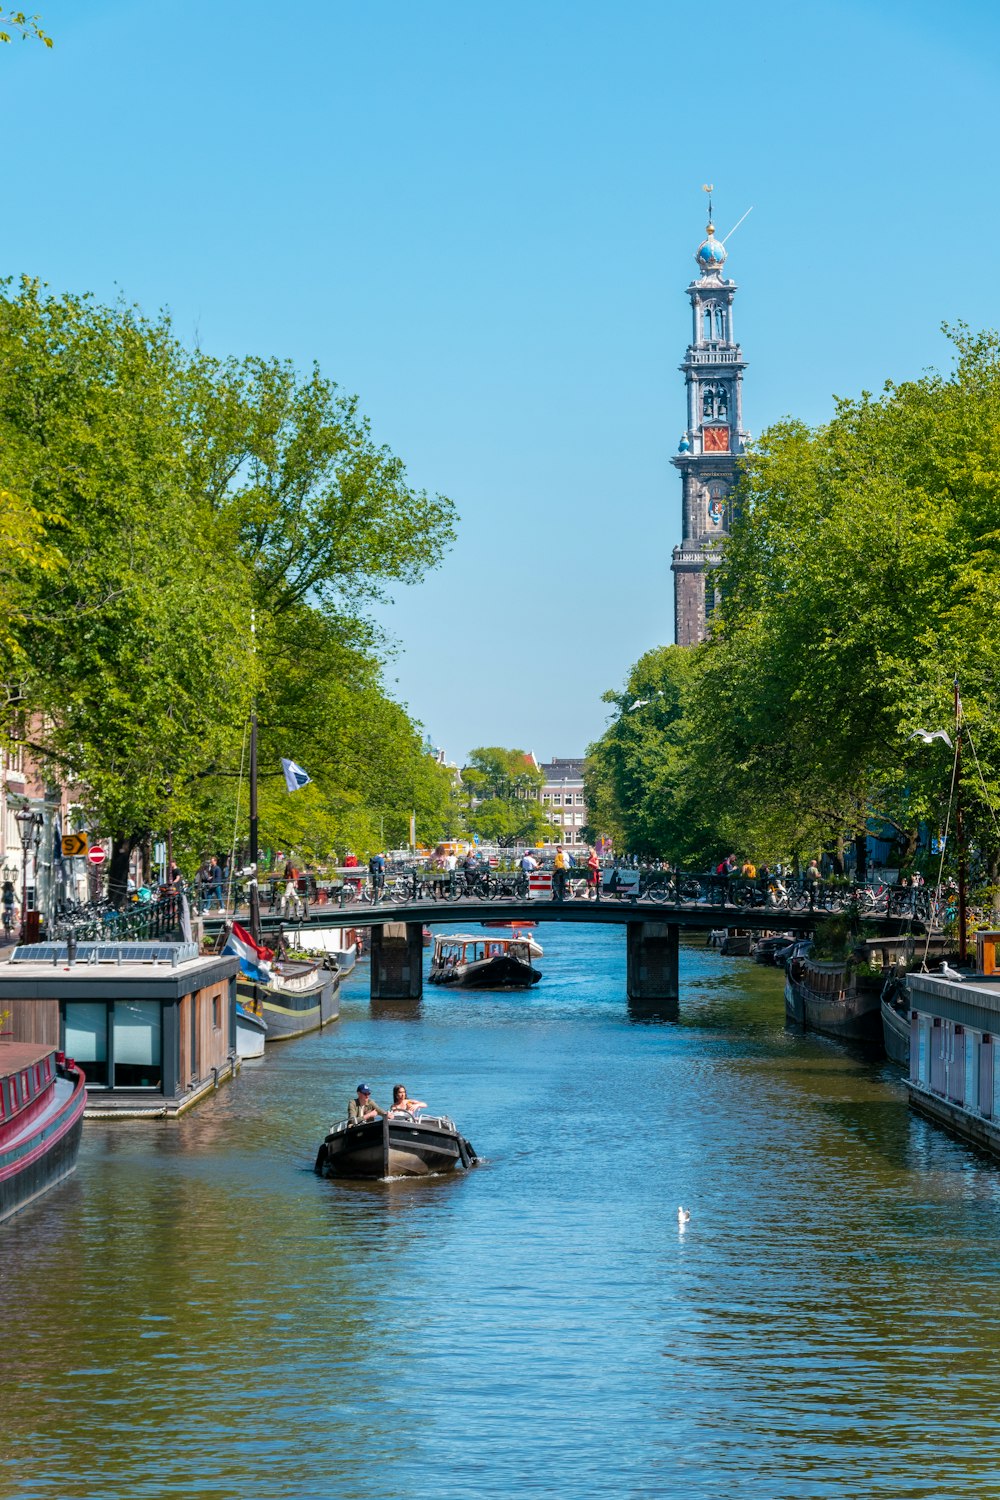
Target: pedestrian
[(376, 872), (290, 895), (8, 899), (559, 868), (593, 875)]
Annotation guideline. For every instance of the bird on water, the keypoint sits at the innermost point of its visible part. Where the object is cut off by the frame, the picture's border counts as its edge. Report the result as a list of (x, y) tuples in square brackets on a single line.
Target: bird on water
[(683, 1215)]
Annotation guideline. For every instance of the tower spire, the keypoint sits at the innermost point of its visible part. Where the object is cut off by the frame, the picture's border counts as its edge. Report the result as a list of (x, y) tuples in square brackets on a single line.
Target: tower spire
[(713, 439)]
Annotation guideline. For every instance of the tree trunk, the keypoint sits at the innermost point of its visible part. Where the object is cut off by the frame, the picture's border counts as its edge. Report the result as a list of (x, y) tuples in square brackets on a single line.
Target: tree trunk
[(861, 857), (121, 853)]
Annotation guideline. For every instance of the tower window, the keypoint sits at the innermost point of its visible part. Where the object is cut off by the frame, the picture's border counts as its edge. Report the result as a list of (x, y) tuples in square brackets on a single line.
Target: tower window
[(707, 323), (720, 323), (715, 403)]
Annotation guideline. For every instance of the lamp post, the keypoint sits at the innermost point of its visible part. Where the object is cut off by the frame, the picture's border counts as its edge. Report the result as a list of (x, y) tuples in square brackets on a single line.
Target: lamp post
[(29, 827)]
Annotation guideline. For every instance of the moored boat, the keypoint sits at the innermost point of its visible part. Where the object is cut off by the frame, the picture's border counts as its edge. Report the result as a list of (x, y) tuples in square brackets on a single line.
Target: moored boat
[(299, 996), (251, 1027), (895, 1010), (398, 1145), (484, 963), (828, 997), (42, 1099)]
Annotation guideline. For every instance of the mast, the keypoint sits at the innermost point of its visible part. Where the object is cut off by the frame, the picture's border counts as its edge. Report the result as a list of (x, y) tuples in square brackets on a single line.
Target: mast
[(254, 892), (963, 947)]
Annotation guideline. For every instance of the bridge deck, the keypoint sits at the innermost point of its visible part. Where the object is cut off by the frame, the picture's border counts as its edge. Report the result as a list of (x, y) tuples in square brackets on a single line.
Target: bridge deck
[(695, 916)]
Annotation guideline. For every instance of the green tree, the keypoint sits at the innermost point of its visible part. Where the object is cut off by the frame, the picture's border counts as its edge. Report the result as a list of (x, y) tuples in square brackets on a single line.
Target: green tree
[(503, 787)]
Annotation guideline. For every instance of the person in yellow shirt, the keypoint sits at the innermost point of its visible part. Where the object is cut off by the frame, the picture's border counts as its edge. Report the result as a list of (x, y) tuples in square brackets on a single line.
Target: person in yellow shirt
[(749, 870), (559, 869)]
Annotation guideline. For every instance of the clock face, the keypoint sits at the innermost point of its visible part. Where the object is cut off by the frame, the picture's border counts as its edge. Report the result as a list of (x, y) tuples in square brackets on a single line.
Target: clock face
[(715, 439)]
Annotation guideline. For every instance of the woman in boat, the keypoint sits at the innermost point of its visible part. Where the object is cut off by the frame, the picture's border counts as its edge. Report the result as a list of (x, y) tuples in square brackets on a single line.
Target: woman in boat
[(400, 1101)]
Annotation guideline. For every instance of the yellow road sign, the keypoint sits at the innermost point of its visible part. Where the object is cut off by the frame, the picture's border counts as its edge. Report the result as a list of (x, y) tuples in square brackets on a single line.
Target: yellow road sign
[(74, 844)]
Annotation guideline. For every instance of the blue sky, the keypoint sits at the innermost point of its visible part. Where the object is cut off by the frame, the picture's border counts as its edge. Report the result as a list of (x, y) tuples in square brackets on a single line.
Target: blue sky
[(481, 218)]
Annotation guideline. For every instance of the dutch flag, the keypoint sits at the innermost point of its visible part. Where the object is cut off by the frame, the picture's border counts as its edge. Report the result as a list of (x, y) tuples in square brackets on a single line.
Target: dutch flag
[(254, 958), (295, 777)]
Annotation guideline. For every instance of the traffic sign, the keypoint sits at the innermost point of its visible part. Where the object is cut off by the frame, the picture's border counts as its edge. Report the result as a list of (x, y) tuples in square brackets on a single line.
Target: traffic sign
[(97, 855), (74, 844)]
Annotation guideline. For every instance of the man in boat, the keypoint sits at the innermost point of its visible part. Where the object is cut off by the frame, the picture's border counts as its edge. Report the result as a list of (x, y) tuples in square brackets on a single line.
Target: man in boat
[(363, 1107)]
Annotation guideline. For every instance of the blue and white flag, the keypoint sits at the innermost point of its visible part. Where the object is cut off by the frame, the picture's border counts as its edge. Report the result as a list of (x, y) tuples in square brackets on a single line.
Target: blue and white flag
[(295, 777)]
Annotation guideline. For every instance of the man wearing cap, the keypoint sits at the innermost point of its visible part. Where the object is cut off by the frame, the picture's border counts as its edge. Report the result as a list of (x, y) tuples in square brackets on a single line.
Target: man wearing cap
[(362, 1107)]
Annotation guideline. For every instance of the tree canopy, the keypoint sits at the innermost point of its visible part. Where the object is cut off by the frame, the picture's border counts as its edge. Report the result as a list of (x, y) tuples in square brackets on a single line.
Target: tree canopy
[(187, 536)]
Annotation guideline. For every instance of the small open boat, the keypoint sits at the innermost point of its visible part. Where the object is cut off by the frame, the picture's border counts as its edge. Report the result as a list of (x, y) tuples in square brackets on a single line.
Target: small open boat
[(484, 963), (398, 1145)]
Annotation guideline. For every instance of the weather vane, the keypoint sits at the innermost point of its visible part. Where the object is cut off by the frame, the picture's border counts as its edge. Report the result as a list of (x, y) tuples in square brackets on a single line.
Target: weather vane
[(709, 188)]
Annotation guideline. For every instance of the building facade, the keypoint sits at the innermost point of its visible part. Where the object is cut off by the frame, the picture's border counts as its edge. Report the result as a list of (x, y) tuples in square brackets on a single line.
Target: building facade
[(711, 443), (563, 801)]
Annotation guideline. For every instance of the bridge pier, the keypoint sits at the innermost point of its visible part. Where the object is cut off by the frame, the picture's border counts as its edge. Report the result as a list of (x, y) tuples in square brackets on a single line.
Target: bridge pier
[(397, 962), (651, 963)]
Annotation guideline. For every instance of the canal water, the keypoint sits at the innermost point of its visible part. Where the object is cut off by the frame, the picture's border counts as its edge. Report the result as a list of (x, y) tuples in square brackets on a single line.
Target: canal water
[(196, 1314)]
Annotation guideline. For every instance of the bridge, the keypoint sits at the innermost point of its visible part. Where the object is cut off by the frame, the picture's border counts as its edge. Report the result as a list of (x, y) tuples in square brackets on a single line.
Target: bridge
[(653, 930)]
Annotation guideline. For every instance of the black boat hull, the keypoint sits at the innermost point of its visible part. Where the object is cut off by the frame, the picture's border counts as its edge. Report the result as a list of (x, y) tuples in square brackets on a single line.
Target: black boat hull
[(500, 973), (394, 1148)]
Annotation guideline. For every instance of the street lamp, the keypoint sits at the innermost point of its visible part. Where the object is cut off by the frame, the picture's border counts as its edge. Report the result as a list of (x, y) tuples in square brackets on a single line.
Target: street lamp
[(29, 827)]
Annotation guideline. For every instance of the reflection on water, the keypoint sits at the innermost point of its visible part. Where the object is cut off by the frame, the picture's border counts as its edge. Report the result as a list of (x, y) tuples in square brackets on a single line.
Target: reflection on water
[(197, 1314)]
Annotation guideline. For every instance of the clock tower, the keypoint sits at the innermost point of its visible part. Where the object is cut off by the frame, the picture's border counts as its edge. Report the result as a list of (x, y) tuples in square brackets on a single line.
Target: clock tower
[(712, 442)]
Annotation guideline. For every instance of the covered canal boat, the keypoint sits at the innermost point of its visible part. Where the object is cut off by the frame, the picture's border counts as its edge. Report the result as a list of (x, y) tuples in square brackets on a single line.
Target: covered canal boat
[(484, 963)]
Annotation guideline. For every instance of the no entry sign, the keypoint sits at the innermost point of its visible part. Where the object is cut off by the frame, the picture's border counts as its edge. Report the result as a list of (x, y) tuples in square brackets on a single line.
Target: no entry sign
[(96, 855)]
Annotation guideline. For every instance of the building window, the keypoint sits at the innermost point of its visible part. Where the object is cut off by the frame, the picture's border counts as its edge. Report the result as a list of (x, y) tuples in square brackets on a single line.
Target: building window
[(137, 1042), (86, 1039), (546, 798), (579, 799), (557, 799)]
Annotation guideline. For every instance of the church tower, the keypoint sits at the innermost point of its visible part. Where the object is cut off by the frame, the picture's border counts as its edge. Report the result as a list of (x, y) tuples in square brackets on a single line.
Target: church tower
[(714, 439)]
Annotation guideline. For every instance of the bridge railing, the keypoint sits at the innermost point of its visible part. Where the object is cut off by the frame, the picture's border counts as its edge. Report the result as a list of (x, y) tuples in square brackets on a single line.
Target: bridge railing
[(673, 888)]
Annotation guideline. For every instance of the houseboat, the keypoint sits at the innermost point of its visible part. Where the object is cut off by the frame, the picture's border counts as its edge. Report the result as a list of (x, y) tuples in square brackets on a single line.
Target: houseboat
[(830, 997), (954, 1054), (153, 1025), (42, 1098), (483, 963)]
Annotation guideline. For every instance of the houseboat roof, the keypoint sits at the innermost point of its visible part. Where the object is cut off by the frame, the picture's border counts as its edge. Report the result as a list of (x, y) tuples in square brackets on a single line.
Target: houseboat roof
[(17, 1055), (43, 972)]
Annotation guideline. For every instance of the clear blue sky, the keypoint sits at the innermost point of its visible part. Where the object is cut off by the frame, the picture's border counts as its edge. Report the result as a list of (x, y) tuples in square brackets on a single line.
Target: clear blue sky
[(481, 218)]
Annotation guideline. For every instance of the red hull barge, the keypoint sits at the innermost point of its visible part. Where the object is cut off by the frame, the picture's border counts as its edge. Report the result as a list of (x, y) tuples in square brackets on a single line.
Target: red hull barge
[(42, 1098)]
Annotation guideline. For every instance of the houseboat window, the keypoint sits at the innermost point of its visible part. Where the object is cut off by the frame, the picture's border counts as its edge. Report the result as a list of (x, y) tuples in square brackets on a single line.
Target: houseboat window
[(13, 1093), (87, 1039), (3, 1098), (38, 1076), (216, 1011), (138, 1027), (971, 1072), (25, 1085), (923, 1048)]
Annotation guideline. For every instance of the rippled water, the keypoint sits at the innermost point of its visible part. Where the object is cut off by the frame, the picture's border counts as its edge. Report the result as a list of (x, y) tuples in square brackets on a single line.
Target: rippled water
[(196, 1314)]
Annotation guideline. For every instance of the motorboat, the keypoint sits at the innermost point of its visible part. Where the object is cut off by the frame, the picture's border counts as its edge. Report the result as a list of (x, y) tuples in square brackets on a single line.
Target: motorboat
[(399, 1144), (42, 1099), (475, 962)]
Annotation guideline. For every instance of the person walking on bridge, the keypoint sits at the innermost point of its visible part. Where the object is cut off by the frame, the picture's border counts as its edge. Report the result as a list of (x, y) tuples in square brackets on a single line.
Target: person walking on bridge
[(559, 868)]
